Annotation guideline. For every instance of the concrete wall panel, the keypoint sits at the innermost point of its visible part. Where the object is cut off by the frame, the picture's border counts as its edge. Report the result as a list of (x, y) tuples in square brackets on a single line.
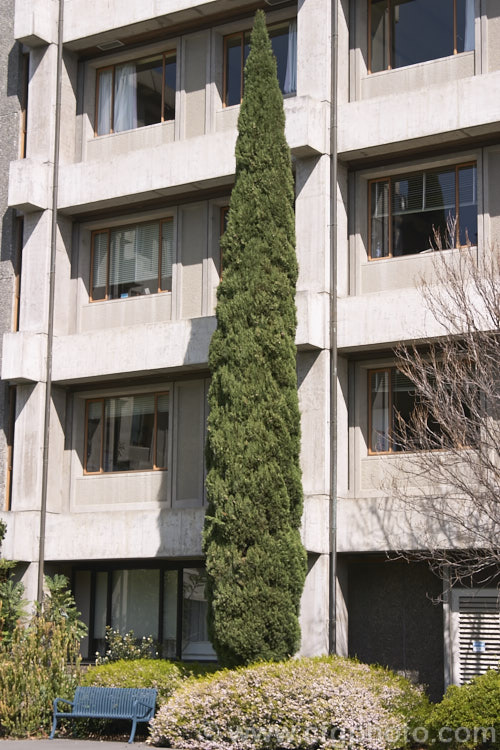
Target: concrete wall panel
[(188, 455)]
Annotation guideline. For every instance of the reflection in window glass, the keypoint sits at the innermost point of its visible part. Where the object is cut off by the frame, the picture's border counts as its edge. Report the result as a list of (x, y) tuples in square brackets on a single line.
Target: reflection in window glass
[(379, 389), (409, 212), (407, 32), (127, 433), (135, 602), (170, 578), (195, 643)]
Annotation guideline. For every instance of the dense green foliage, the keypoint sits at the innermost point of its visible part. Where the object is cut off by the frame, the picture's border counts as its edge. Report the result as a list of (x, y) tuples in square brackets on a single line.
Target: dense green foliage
[(12, 602), (465, 711), (163, 675), (40, 662), (255, 561), (303, 703)]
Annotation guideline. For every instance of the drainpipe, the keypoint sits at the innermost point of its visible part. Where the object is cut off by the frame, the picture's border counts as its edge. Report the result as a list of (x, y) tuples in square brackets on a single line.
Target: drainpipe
[(332, 605), (50, 324)]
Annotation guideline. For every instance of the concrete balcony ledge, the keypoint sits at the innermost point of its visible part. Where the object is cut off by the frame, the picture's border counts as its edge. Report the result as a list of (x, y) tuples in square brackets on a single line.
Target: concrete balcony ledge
[(134, 350), (35, 22), (467, 108), (382, 319), (90, 22), (171, 169), (30, 184), (23, 357)]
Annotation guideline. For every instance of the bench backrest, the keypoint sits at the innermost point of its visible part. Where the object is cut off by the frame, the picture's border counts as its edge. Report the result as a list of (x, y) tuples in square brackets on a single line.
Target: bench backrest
[(118, 702)]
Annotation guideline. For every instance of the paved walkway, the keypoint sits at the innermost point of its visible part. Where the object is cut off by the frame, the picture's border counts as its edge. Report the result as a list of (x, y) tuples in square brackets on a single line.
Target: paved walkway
[(70, 745)]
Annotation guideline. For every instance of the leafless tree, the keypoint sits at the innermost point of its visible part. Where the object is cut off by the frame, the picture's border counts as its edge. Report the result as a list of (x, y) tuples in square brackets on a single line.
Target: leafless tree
[(449, 477)]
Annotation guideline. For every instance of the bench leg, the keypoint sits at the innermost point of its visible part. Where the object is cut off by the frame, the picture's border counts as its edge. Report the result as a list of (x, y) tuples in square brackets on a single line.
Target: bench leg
[(54, 724), (132, 733)]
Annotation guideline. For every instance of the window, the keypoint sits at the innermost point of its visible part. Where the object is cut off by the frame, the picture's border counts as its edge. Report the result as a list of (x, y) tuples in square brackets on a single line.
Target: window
[(126, 433), (405, 32), (393, 401), (132, 260), (165, 601), (236, 48), (408, 210), (135, 93)]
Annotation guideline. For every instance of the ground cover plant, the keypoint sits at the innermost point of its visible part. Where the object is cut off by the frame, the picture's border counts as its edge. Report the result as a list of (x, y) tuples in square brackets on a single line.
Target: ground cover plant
[(302, 703)]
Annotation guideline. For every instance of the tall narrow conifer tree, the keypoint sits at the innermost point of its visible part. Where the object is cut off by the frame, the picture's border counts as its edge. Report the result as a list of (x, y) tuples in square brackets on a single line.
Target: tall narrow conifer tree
[(255, 560)]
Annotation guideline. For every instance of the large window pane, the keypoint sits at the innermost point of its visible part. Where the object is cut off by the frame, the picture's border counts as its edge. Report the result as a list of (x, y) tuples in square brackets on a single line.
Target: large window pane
[(149, 82), (167, 255), (105, 89), (170, 86), (467, 190), (379, 399), (94, 436), (100, 610), (169, 650), (161, 460), (133, 266), (379, 35), (99, 265), (195, 643), (128, 433), (403, 402), (284, 46), (379, 200), (135, 602), (233, 70), (421, 30)]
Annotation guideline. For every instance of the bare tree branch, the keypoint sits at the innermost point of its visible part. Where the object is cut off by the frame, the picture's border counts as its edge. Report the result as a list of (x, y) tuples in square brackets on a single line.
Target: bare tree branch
[(449, 476)]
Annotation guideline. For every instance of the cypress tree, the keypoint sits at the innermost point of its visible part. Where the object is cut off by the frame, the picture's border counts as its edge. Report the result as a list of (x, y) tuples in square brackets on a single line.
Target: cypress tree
[(255, 560)]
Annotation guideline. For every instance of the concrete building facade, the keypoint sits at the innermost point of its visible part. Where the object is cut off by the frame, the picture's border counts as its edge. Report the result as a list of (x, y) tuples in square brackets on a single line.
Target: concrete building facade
[(121, 191)]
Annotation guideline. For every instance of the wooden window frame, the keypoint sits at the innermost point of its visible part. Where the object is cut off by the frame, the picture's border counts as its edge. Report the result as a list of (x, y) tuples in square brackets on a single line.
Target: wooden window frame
[(102, 400), (163, 55), (108, 230), (389, 8), (389, 180)]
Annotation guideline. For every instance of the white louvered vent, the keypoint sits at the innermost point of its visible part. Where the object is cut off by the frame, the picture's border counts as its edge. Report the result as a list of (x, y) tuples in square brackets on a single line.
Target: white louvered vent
[(479, 634)]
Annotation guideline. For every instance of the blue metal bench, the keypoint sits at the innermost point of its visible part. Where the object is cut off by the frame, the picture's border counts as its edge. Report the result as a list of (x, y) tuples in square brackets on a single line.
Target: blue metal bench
[(136, 704)]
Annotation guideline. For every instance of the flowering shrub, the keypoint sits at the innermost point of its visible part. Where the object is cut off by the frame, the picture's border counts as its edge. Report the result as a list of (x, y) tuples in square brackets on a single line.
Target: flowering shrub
[(165, 676), (300, 704), (126, 647), (468, 716)]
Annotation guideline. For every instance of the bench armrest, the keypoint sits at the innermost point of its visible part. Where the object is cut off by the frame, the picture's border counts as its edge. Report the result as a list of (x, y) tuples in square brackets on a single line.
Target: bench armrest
[(138, 703), (62, 700)]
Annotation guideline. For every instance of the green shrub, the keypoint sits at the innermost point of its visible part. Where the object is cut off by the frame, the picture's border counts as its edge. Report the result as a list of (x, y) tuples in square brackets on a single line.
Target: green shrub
[(459, 720), (303, 703), (165, 676), (121, 647), (40, 663)]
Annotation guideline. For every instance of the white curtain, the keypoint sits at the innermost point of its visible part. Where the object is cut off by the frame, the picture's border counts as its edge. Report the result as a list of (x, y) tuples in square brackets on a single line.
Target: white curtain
[(469, 40), (290, 85), (104, 103), (125, 111)]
